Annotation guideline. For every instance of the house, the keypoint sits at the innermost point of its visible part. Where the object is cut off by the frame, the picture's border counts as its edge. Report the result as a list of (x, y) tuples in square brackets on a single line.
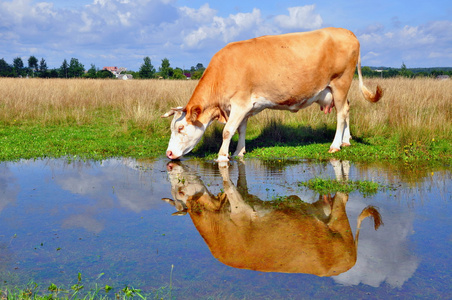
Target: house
[(114, 70), (117, 72), (124, 76), (442, 77)]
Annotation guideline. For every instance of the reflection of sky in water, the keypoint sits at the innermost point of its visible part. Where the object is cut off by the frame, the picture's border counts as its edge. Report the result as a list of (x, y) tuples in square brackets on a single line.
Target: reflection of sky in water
[(110, 214)]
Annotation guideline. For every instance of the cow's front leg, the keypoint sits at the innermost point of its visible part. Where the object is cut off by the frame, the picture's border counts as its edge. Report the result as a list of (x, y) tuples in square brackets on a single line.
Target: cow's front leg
[(236, 118), (240, 151)]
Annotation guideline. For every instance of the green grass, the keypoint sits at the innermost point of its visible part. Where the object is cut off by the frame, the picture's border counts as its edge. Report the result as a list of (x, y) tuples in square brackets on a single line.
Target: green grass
[(295, 142), (85, 142), (103, 140), (82, 290)]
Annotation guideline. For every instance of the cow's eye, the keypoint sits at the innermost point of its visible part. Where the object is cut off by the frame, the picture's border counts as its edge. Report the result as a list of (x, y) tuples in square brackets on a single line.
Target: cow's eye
[(180, 128)]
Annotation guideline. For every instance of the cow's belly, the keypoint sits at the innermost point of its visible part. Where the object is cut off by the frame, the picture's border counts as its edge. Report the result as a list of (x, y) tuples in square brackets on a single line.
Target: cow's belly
[(292, 104)]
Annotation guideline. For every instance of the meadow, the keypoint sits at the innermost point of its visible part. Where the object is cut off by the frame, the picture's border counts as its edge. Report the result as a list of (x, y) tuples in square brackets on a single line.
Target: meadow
[(110, 118)]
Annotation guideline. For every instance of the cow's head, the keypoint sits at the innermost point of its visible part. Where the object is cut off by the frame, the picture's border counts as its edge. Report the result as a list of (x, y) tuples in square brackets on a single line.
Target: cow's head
[(186, 130)]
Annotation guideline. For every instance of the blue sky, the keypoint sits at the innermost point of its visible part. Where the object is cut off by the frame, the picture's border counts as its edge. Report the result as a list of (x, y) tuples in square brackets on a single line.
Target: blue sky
[(122, 32)]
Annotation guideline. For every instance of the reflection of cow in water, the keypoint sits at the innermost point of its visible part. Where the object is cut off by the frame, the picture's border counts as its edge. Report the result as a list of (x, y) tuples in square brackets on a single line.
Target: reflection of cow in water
[(288, 236)]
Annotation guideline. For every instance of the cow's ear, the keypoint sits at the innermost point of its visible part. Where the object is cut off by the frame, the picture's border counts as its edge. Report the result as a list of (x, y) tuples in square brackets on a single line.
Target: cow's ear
[(195, 111), (170, 201), (172, 111)]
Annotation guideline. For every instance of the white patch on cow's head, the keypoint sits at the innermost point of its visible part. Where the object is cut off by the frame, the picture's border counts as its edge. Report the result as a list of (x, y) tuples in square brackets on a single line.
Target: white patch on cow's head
[(184, 135)]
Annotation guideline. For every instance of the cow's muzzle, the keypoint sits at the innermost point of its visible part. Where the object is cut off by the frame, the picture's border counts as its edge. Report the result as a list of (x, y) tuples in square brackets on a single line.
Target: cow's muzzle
[(171, 155)]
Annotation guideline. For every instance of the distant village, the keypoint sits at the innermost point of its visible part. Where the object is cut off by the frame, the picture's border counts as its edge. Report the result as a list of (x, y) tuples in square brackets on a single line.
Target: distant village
[(32, 68), (117, 72)]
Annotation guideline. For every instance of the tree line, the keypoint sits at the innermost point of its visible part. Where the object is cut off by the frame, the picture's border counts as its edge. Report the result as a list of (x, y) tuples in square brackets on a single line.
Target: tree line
[(75, 69), (165, 71), (403, 71), (36, 68)]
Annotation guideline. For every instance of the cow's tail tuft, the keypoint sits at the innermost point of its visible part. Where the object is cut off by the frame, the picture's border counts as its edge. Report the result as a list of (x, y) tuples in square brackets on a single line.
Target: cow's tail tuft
[(369, 211), (368, 95)]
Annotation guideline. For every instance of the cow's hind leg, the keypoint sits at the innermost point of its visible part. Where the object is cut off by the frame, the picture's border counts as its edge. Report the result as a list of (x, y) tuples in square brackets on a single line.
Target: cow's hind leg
[(342, 128), (346, 136)]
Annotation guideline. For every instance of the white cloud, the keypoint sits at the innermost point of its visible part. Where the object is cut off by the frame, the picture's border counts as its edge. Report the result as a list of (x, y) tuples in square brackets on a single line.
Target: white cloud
[(409, 44), (224, 29), (160, 28), (300, 17), (202, 15)]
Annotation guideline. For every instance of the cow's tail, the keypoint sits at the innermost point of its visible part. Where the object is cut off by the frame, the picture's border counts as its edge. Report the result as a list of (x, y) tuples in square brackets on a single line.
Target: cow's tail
[(368, 95), (369, 211)]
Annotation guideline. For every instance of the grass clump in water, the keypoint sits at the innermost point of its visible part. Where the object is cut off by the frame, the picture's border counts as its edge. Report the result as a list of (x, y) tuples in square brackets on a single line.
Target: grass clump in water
[(329, 186)]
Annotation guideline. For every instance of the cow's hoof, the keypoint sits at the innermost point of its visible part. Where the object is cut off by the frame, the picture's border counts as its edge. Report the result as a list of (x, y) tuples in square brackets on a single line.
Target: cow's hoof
[(223, 164), (345, 145), (333, 150), (222, 158)]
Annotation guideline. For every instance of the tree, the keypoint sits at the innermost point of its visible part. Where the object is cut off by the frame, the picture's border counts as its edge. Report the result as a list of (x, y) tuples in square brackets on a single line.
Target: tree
[(367, 72), (178, 74), (197, 74), (33, 64), (18, 66), (75, 69), (43, 68), (165, 70), (92, 72), (147, 70), (64, 69), (404, 71), (104, 74), (42, 65), (200, 67), (5, 69), (53, 73)]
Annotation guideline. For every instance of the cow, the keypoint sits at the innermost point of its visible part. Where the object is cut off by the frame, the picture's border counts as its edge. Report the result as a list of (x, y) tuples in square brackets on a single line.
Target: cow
[(284, 72), (245, 232)]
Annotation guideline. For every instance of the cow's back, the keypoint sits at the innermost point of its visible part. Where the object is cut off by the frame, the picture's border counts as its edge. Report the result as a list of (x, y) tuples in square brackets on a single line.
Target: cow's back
[(282, 66)]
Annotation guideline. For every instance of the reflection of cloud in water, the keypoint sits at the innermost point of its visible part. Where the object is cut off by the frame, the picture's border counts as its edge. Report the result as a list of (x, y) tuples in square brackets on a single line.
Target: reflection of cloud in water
[(8, 186), (385, 257), (113, 179), (87, 222), (111, 183)]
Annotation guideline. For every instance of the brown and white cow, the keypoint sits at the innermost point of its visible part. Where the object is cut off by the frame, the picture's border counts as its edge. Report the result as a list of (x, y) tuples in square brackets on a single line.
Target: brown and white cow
[(245, 232), (286, 72)]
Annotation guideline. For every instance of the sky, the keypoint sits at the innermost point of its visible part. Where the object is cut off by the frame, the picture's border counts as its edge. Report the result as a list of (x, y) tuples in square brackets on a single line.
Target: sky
[(187, 32)]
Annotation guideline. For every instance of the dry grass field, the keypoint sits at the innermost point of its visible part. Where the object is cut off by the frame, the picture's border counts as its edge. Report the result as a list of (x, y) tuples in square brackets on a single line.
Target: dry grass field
[(411, 109), (81, 101)]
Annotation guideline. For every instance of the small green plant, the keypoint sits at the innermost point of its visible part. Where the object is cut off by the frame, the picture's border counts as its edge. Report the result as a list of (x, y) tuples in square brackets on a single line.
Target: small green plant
[(77, 287), (130, 292), (329, 186)]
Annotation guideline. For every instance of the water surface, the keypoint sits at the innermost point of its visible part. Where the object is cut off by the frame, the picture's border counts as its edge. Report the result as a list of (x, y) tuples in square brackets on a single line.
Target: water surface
[(107, 220)]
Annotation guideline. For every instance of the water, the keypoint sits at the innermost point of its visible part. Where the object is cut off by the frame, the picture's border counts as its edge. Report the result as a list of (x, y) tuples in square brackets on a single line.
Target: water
[(228, 234)]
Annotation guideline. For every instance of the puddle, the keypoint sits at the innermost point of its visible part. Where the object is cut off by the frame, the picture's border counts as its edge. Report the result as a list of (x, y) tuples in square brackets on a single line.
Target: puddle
[(249, 231)]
